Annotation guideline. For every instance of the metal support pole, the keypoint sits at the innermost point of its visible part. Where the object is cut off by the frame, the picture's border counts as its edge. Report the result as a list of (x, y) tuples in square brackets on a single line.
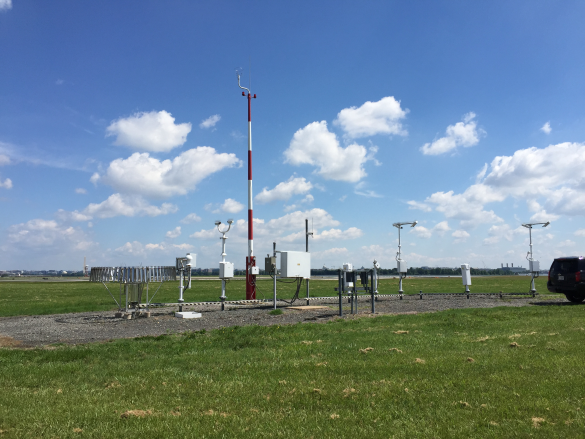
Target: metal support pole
[(307, 245), (223, 297), (372, 291), (274, 278), (400, 286), (355, 293), (251, 259), (181, 276), (399, 258), (340, 291), (420, 294), (532, 287), (375, 275)]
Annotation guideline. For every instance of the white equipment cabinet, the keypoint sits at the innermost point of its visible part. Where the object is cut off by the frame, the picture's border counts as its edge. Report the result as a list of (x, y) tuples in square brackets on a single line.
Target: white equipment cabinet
[(466, 274), (401, 265), (533, 266), (295, 264), (226, 270)]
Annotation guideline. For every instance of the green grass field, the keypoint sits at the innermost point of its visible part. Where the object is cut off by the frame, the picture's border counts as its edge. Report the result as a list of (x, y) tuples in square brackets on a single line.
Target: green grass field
[(35, 298), (503, 372)]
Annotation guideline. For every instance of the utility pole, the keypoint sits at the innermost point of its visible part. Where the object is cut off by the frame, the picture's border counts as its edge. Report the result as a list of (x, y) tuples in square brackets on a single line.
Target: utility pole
[(251, 269)]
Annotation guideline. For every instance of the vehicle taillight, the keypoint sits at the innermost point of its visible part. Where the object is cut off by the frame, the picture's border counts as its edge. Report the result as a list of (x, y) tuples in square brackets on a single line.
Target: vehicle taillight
[(549, 275), (578, 276)]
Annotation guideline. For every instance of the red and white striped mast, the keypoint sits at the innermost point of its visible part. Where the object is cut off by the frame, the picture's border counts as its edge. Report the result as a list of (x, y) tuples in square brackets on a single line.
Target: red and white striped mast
[(250, 259)]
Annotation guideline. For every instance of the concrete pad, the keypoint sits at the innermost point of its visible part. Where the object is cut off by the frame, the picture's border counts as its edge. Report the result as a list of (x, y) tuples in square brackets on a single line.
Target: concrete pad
[(188, 315), (307, 307)]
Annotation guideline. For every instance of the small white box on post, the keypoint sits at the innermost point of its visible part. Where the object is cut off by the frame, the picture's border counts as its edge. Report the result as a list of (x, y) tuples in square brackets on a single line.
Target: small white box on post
[(401, 265), (226, 270), (347, 267), (466, 277), (534, 266)]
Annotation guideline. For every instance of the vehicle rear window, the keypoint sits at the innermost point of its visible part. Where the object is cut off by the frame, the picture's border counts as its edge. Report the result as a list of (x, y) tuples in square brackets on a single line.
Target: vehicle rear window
[(561, 266)]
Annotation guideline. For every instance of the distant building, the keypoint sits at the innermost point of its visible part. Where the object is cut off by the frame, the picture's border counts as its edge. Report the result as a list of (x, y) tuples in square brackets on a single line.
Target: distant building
[(512, 269)]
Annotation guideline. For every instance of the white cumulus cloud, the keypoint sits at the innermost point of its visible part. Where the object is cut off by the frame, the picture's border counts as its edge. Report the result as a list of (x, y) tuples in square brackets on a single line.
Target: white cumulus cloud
[(422, 232), (326, 235), (152, 131), (117, 205), (269, 230), (40, 233), (461, 134), (6, 184), (81, 191), (381, 117), (191, 218), (315, 145), (284, 190), (419, 206), (460, 236), (121, 205), (176, 232), (546, 128), (231, 206), (210, 121), (4, 160), (504, 231), (145, 175), (5, 5)]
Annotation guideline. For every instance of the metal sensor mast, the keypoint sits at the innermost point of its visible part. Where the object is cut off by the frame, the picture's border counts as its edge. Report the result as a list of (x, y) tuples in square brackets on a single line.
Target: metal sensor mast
[(533, 266), (401, 263), (251, 269)]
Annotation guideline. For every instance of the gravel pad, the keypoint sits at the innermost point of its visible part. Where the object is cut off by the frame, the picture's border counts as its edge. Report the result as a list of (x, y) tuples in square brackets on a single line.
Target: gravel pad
[(34, 331)]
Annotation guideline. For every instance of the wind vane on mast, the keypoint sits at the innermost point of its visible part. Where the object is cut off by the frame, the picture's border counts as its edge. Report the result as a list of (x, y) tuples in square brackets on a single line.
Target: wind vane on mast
[(251, 269)]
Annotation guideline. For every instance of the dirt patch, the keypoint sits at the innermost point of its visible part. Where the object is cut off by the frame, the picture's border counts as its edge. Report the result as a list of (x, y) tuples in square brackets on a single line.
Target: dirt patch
[(8, 342), (136, 413), (307, 307)]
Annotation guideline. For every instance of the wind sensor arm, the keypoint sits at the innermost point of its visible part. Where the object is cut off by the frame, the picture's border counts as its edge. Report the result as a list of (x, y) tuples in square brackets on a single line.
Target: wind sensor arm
[(243, 88)]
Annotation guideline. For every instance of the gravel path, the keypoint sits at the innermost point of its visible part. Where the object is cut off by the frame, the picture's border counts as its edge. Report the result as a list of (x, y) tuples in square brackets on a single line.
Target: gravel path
[(36, 331)]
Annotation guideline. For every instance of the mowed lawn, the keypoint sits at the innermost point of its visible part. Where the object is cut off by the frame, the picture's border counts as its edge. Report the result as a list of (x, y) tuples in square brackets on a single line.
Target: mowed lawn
[(502, 372), (49, 297)]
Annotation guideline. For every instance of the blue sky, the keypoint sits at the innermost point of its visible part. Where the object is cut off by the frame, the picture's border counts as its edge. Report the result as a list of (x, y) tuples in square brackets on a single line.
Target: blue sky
[(123, 131)]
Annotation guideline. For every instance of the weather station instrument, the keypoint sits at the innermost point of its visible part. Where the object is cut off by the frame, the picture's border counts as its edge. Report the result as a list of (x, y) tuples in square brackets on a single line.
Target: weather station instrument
[(401, 263), (533, 266), (226, 269), (251, 269)]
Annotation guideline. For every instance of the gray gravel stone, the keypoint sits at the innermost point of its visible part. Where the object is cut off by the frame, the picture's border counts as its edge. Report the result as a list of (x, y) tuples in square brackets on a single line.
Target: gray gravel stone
[(87, 327)]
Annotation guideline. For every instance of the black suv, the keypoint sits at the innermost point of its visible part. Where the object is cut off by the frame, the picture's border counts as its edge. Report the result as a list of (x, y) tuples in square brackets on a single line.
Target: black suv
[(566, 276)]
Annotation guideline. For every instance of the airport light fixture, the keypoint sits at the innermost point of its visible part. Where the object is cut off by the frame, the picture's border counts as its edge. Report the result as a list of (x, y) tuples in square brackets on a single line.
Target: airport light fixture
[(401, 264), (533, 266)]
